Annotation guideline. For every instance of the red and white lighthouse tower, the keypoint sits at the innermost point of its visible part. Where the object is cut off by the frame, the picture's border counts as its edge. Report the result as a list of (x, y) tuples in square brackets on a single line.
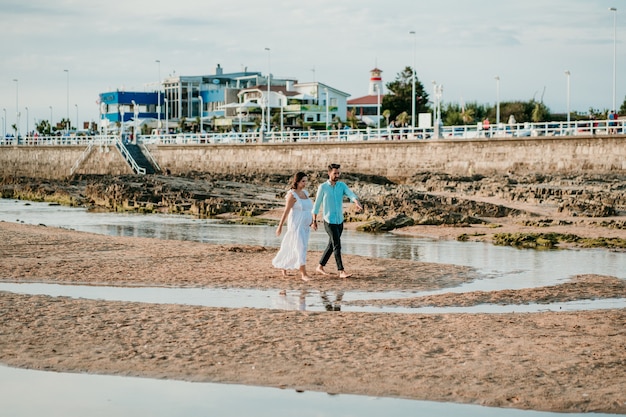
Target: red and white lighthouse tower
[(376, 82)]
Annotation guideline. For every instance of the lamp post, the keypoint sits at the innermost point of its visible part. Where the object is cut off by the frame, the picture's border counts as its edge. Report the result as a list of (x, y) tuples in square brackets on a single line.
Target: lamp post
[(200, 113), (4, 124), (326, 91), (17, 111), (413, 82), (497, 100), (50, 119), (614, 10), (135, 117), (77, 122), (568, 74), (158, 108), (269, 81), (282, 105), (121, 124), (167, 127), (27, 127), (68, 100)]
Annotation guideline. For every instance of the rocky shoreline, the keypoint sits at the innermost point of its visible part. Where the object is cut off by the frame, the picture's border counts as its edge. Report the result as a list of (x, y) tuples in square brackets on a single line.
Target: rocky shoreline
[(425, 199)]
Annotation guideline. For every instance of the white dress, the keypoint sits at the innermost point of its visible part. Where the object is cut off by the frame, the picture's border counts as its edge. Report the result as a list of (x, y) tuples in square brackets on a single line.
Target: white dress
[(292, 253)]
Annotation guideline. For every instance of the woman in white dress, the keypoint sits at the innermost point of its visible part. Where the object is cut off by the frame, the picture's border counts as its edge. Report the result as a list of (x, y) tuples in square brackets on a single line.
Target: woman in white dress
[(297, 213)]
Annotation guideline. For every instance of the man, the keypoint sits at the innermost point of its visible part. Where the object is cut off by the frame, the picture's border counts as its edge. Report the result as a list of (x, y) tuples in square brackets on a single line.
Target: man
[(330, 195)]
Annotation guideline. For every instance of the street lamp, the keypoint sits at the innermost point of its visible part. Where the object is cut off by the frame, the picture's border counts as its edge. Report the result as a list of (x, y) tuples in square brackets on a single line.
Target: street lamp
[(269, 77), (413, 82), (68, 100), (50, 119), (135, 117), (122, 124), (614, 10), (77, 123), (326, 91), (17, 111), (167, 128), (159, 95), (568, 74), (497, 101), (4, 124), (201, 108), (27, 128)]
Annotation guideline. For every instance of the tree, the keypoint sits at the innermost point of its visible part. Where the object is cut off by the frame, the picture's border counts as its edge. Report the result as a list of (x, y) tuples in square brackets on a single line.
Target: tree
[(352, 120), (540, 112), (403, 118), (386, 115), (43, 127), (399, 99), (622, 109), (452, 115)]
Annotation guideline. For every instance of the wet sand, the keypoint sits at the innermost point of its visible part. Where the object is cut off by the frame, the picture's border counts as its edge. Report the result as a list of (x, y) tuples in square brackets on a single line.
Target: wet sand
[(555, 361)]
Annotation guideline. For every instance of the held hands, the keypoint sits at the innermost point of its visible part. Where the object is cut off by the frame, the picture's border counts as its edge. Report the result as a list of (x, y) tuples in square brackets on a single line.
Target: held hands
[(314, 224)]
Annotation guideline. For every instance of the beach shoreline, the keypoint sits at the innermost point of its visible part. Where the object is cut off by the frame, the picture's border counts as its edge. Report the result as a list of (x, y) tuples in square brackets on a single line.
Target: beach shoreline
[(551, 361)]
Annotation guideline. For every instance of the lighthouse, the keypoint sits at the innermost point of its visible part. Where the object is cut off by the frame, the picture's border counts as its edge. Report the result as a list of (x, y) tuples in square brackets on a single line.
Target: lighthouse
[(376, 82)]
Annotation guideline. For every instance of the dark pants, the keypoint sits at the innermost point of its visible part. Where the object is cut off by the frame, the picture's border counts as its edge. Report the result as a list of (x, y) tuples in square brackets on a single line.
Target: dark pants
[(334, 244)]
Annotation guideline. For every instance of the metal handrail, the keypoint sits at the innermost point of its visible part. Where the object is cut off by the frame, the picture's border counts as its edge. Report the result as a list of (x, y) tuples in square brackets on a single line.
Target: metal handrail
[(128, 157), (82, 158), (153, 161)]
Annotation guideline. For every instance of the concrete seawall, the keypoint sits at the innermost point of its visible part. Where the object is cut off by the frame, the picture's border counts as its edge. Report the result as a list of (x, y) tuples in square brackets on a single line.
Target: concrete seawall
[(393, 159)]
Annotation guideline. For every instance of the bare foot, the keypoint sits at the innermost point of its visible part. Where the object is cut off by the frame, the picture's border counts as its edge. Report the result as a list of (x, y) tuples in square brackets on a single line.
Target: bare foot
[(305, 278), (284, 272), (344, 274), (320, 270)]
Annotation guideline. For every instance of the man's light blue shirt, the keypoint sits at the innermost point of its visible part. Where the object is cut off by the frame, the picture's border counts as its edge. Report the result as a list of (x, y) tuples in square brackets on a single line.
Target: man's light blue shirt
[(331, 198)]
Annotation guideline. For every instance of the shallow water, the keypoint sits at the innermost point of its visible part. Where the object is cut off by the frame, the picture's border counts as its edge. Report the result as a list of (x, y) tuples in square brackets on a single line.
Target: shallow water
[(498, 267), (64, 394), (502, 267), (30, 393), (310, 300)]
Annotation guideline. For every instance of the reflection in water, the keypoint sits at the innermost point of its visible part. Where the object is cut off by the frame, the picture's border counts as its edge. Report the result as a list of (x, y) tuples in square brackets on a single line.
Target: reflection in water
[(311, 300), (330, 305)]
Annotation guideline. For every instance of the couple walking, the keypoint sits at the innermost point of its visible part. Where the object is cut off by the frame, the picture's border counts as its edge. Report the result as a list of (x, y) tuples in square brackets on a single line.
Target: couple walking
[(301, 214)]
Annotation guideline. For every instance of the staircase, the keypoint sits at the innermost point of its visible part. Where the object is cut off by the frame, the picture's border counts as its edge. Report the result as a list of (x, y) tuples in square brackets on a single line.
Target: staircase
[(134, 154)]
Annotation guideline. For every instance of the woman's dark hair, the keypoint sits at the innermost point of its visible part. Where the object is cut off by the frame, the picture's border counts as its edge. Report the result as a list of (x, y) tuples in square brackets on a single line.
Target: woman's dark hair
[(296, 179)]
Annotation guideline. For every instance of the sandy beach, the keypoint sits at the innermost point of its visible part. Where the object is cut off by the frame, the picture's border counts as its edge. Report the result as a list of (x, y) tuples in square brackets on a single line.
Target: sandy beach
[(555, 361)]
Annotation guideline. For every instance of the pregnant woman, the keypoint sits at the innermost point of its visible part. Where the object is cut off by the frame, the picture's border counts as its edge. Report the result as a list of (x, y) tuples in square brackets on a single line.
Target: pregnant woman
[(297, 213)]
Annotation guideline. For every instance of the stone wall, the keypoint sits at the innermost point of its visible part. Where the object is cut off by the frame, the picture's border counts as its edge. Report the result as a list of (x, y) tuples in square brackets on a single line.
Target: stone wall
[(397, 160), (56, 161), (393, 159)]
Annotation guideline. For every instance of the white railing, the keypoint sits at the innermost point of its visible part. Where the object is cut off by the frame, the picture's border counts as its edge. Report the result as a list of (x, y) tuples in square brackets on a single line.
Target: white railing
[(476, 131), (128, 157)]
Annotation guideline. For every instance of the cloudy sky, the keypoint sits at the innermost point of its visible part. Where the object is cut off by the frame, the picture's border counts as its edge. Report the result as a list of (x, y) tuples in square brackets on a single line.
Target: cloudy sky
[(462, 45)]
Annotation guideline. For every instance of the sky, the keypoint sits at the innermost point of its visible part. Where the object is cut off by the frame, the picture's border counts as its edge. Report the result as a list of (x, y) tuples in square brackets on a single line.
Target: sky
[(64, 53)]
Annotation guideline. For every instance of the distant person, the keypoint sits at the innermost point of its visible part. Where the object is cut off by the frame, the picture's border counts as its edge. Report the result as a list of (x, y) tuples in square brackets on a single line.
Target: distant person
[(297, 213), (486, 127), (330, 196), (512, 120), (612, 122)]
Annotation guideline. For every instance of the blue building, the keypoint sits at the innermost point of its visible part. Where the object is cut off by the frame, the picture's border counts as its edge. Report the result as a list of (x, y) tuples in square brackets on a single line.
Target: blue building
[(121, 106)]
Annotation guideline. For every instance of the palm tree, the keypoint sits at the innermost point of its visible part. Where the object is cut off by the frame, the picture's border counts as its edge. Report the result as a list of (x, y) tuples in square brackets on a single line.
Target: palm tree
[(540, 112), (403, 119), (468, 115), (386, 115)]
